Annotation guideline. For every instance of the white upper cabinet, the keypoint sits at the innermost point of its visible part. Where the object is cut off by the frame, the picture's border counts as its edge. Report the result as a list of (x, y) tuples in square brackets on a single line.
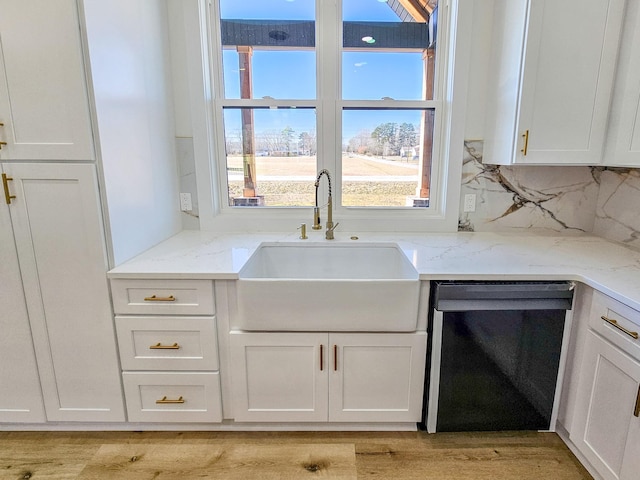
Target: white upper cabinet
[(551, 79), (623, 140), (44, 104)]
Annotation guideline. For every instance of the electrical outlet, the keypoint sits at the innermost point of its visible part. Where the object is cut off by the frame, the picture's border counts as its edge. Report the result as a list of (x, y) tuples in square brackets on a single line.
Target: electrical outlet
[(185, 202), (470, 202)]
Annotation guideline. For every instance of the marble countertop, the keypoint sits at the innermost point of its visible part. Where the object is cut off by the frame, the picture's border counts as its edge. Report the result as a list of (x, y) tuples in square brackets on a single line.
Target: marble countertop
[(606, 266)]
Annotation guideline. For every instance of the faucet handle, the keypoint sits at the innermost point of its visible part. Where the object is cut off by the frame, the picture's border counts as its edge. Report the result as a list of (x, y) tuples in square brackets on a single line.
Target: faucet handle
[(330, 229)]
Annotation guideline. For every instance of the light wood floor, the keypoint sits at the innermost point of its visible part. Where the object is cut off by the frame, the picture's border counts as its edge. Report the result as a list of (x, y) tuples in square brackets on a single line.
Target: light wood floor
[(299, 455)]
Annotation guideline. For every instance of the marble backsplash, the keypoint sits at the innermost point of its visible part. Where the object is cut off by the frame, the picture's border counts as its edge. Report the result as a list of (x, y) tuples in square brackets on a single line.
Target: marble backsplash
[(617, 214), (569, 200)]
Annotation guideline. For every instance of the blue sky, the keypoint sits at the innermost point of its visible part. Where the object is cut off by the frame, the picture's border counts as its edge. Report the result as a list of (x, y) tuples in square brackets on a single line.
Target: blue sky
[(373, 10), (292, 75)]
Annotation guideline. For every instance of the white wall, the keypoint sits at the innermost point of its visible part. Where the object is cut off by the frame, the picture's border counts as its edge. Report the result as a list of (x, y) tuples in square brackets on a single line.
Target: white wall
[(478, 69), (185, 151), (179, 66), (130, 66)]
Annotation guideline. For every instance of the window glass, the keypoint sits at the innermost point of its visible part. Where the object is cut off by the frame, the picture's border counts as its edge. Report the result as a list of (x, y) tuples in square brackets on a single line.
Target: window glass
[(383, 159), (384, 97), (276, 74), (384, 47), (270, 156), (269, 48), (366, 75), (388, 54)]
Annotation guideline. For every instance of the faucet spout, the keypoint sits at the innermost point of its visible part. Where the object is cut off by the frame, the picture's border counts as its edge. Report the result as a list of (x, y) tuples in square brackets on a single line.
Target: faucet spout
[(316, 210)]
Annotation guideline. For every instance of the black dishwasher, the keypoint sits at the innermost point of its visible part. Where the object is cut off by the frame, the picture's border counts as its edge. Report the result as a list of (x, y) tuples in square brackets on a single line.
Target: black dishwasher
[(494, 355)]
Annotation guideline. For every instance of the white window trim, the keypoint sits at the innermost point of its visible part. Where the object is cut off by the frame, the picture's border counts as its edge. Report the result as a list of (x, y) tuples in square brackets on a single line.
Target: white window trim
[(454, 51)]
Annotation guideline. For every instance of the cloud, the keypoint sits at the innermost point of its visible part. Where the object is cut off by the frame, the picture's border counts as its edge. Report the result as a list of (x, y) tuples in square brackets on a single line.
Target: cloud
[(360, 64)]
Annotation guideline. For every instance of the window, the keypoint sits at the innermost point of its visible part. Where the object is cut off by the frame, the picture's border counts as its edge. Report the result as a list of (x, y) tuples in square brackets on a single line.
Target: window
[(306, 86)]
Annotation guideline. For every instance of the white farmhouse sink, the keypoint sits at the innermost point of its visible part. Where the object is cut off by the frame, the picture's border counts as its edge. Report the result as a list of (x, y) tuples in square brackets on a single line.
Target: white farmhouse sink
[(320, 287)]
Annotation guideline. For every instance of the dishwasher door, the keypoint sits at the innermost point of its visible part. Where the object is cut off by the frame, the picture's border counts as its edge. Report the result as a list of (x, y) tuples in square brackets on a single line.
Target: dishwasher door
[(495, 353)]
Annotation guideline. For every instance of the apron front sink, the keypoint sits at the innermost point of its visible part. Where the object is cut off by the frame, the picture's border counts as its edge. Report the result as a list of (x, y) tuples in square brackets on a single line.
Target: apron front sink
[(319, 287)]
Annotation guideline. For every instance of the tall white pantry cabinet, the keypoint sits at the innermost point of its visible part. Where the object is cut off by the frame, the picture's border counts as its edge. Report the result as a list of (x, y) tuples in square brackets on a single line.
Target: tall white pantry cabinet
[(53, 210), (59, 357)]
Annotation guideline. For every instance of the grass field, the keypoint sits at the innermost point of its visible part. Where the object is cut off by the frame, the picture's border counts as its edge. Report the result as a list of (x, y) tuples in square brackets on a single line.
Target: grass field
[(289, 181)]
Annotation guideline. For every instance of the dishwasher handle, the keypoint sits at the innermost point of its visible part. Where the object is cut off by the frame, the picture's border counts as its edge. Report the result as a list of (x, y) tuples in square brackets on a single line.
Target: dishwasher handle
[(496, 304), (468, 296)]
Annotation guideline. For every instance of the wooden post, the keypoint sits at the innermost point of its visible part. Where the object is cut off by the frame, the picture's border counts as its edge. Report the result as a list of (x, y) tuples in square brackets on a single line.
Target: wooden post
[(248, 128), (426, 144)]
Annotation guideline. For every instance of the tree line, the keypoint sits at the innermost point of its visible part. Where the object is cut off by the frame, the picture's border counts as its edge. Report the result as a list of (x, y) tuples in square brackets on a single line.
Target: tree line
[(387, 139)]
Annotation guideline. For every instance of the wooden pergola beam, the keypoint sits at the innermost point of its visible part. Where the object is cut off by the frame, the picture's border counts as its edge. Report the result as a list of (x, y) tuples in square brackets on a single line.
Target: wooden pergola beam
[(417, 9), (428, 5)]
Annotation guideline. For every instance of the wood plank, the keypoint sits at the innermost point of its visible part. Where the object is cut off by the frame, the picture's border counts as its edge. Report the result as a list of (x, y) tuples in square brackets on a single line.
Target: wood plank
[(284, 455), (522, 463), (22, 461), (231, 462)]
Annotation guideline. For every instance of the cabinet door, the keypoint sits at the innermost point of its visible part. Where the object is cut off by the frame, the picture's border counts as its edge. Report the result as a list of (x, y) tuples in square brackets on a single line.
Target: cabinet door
[(43, 93), (567, 81), (59, 237), (551, 80), (279, 377), (376, 377), (20, 396), (605, 429), (631, 464), (623, 138)]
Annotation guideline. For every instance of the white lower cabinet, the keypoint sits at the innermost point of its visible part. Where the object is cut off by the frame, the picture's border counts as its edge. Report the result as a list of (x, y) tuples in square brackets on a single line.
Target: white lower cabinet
[(320, 377), (59, 240), (280, 377), (607, 427), (167, 343), (606, 423), (173, 396), (20, 394), (168, 349)]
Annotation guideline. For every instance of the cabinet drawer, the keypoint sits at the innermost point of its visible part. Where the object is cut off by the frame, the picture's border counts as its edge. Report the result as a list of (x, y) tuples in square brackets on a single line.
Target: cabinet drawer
[(163, 297), (620, 323), (173, 397), (167, 343)]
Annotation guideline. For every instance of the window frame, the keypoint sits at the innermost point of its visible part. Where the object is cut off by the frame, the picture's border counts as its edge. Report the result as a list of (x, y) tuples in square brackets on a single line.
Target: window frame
[(452, 70)]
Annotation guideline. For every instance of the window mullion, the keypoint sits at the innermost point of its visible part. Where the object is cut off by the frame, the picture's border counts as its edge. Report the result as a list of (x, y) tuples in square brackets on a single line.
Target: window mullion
[(328, 45), (267, 103), (390, 104)]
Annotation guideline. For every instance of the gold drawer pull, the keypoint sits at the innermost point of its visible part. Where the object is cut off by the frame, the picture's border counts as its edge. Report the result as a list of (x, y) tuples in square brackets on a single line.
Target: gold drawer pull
[(5, 184), (1, 144), (610, 321), (636, 411), (525, 147), (159, 346), (153, 298), (168, 400)]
